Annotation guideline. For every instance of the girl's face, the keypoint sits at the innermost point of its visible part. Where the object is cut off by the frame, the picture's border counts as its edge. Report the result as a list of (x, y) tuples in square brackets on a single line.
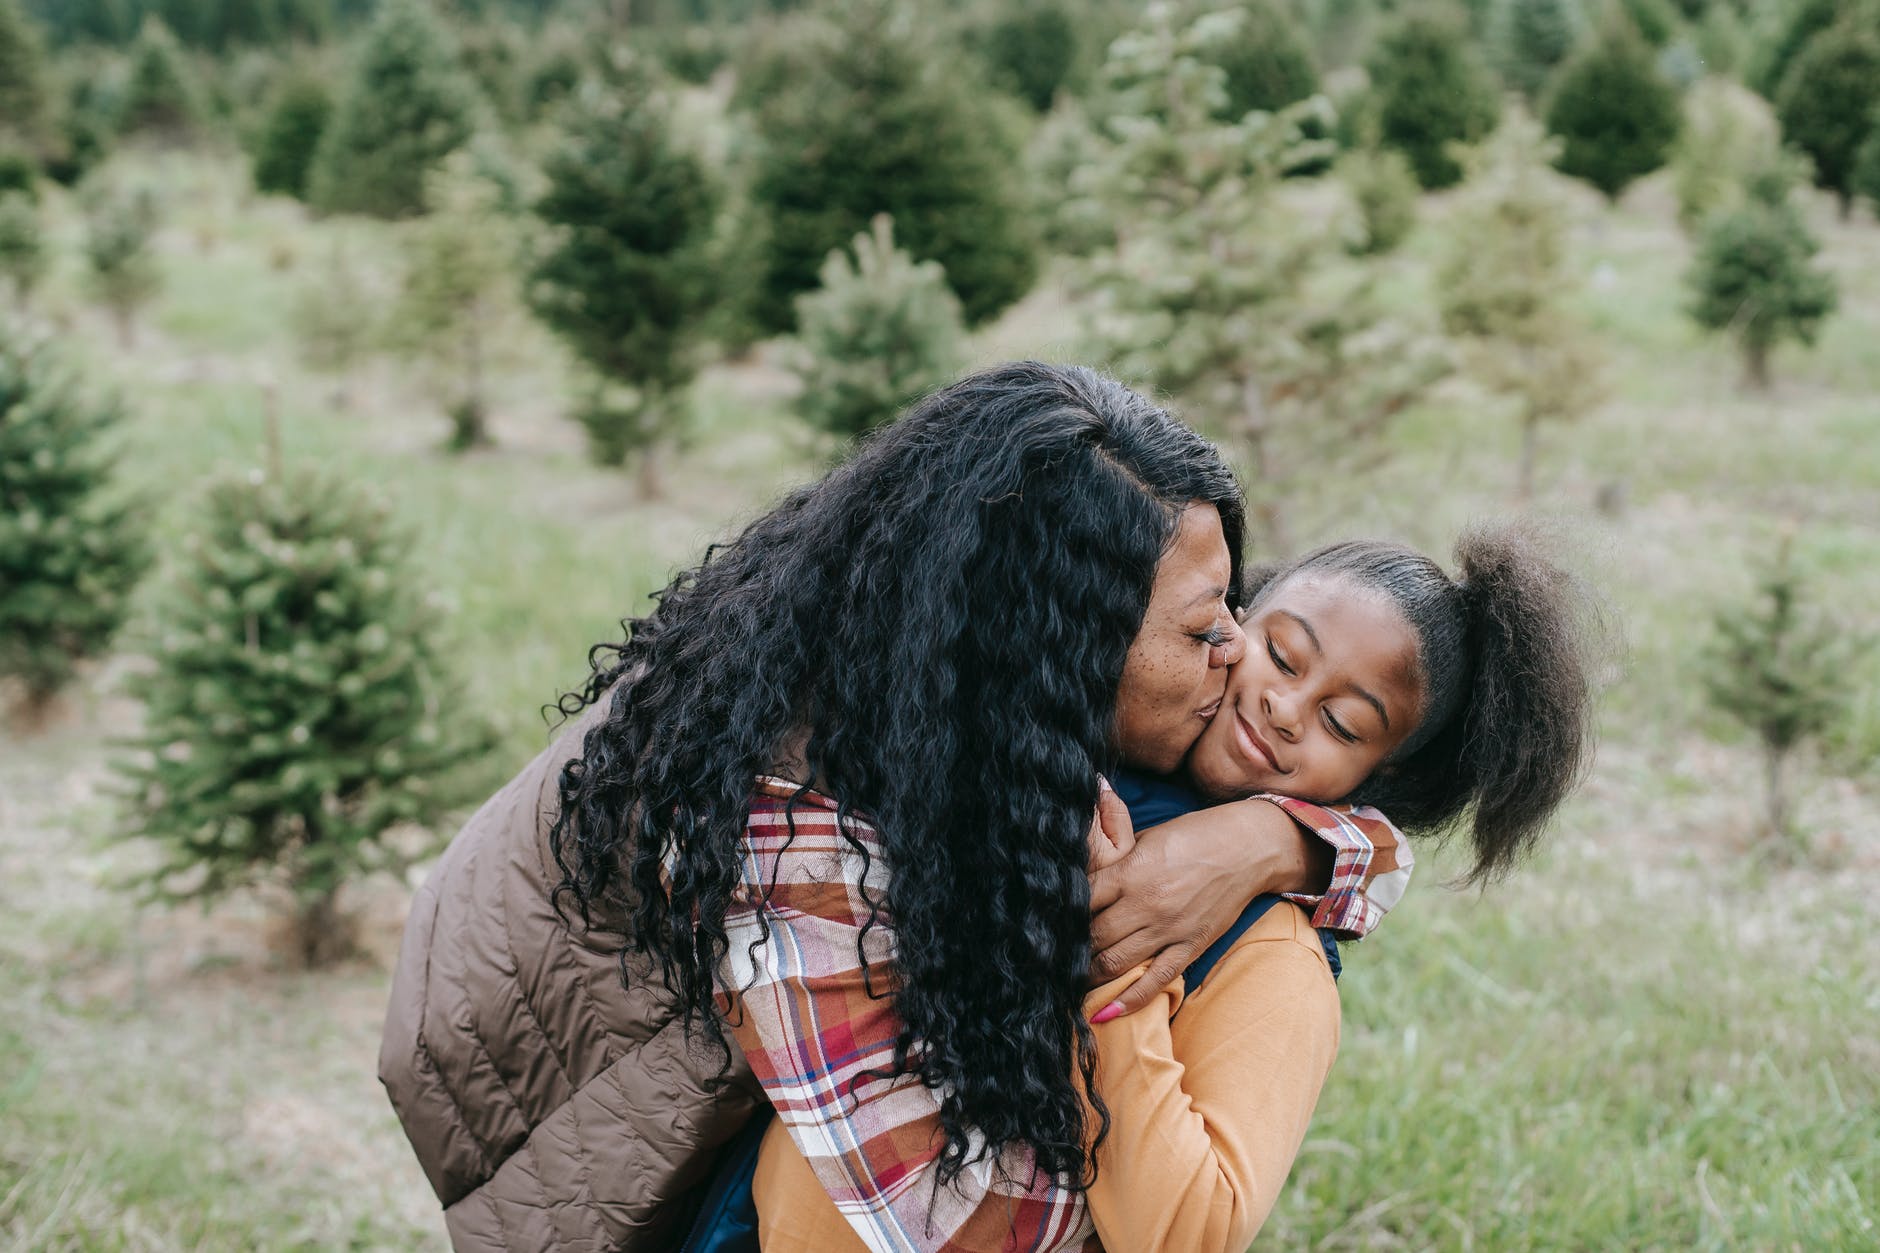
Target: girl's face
[(1327, 690), (1177, 667)]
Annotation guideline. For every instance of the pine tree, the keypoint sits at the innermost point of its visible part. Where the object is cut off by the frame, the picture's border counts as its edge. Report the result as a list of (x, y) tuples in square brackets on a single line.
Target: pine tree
[(69, 553), (1728, 133), (333, 322), (1615, 114), (406, 105), (867, 120), (459, 291), (299, 707), (120, 229), (628, 275), (1827, 103), (23, 259), (160, 100), (291, 136), (1431, 90), (1753, 276), (1030, 50), (1384, 190), (25, 98), (1865, 177), (878, 333), (1805, 20), (1532, 38), (1266, 59), (1503, 284), (1780, 668), (1264, 336)]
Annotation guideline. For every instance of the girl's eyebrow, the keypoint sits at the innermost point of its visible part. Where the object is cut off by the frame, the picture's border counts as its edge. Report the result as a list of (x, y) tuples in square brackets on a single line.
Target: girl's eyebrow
[(1318, 648), (1307, 627)]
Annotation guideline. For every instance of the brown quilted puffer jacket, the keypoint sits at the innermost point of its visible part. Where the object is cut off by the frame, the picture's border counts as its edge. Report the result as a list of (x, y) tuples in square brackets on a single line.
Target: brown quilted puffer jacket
[(551, 1108)]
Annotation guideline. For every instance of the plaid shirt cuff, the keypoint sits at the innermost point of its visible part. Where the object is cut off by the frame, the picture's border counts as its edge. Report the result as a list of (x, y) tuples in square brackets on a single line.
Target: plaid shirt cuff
[(1371, 865)]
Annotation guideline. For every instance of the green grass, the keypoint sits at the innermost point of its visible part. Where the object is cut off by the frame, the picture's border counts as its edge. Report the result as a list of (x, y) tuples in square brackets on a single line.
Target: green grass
[(1658, 1037)]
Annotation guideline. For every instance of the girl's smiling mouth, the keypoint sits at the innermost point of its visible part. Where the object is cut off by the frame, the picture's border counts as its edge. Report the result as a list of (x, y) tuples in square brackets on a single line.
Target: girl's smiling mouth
[(1255, 747)]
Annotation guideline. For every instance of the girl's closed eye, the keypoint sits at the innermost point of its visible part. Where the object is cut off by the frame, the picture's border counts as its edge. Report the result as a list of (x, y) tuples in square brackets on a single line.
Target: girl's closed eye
[(1272, 650)]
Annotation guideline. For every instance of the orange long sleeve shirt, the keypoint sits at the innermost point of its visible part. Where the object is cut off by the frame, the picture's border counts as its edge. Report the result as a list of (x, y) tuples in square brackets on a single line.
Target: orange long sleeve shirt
[(1209, 1098)]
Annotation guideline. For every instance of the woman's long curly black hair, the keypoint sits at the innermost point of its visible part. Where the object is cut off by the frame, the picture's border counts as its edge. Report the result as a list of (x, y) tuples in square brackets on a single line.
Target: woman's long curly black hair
[(947, 616)]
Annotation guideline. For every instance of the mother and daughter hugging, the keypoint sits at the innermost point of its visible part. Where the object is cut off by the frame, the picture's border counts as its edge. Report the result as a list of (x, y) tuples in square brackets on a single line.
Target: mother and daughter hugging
[(951, 861)]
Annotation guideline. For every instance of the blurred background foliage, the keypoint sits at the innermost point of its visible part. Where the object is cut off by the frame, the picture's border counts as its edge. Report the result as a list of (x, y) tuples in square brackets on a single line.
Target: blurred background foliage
[(362, 362)]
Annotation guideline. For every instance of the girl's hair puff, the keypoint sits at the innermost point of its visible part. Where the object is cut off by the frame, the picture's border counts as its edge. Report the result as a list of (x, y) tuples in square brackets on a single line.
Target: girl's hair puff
[(1503, 659)]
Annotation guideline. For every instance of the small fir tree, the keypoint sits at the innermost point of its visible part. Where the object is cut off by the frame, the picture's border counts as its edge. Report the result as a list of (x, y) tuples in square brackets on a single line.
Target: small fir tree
[(1656, 21), (1827, 103), (1384, 191), (1865, 178), (333, 324), (1753, 276), (460, 292), (1532, 38), (1723, 42), (120, 231), (1780, 668), (23, 258), (1616, 116), (1728, 134), (70, 550), (1030, 50), (160, 99), (1503, 283), (1431, 90), (627, 275), (1266, 58), (879, 332), (25, 97), (406, 105), (1804, 20), (1264, 336), (299, 707), (290, 137), (866, 119)]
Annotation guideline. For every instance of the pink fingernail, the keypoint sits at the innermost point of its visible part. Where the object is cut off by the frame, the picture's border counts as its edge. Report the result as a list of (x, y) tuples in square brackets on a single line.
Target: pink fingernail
[(1113, 1010)]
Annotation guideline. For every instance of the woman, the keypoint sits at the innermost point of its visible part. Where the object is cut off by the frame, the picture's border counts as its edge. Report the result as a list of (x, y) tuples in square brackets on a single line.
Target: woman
[(1022, 583)]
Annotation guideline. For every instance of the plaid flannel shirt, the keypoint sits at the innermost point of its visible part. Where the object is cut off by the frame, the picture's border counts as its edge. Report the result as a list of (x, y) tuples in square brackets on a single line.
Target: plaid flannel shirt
[(799, 1006), (1371, 865)]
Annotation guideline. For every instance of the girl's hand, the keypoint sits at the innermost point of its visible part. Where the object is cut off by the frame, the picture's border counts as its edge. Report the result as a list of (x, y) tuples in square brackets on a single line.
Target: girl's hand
[(1112, 835)]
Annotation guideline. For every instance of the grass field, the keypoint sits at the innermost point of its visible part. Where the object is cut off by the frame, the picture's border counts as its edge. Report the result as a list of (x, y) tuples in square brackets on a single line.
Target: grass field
[(1657, 1037)]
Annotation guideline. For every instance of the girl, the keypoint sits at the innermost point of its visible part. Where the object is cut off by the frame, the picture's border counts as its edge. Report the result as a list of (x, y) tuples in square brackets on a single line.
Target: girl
[(1370, 676)]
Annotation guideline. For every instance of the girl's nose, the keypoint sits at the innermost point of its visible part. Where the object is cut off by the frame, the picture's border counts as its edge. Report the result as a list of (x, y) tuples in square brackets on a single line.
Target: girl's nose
[(1281, 714)]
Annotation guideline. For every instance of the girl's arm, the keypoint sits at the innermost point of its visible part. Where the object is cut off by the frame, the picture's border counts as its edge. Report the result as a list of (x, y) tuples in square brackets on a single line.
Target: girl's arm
[(1187, 879), (1208, 1106)]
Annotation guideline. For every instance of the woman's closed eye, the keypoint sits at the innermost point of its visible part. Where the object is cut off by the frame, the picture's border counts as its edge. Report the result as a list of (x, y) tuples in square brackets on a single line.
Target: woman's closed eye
[(1215, 636)]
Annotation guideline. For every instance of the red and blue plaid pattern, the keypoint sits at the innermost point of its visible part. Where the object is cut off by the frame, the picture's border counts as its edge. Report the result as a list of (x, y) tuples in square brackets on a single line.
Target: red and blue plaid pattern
[(798, 1004)]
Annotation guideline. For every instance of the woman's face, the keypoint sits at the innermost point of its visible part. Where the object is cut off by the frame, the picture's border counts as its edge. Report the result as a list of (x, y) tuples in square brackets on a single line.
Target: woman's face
[(1327, 690), (1177, 668)]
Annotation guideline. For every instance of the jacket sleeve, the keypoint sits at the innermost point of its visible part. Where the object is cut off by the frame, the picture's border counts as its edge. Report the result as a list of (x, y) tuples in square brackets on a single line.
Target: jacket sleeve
[(1371, 865), (800, 1006), (1208, 1106)]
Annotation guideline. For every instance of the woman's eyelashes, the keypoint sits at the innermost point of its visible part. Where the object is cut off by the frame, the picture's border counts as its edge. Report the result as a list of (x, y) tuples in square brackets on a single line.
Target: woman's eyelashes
[(1215, 636)]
